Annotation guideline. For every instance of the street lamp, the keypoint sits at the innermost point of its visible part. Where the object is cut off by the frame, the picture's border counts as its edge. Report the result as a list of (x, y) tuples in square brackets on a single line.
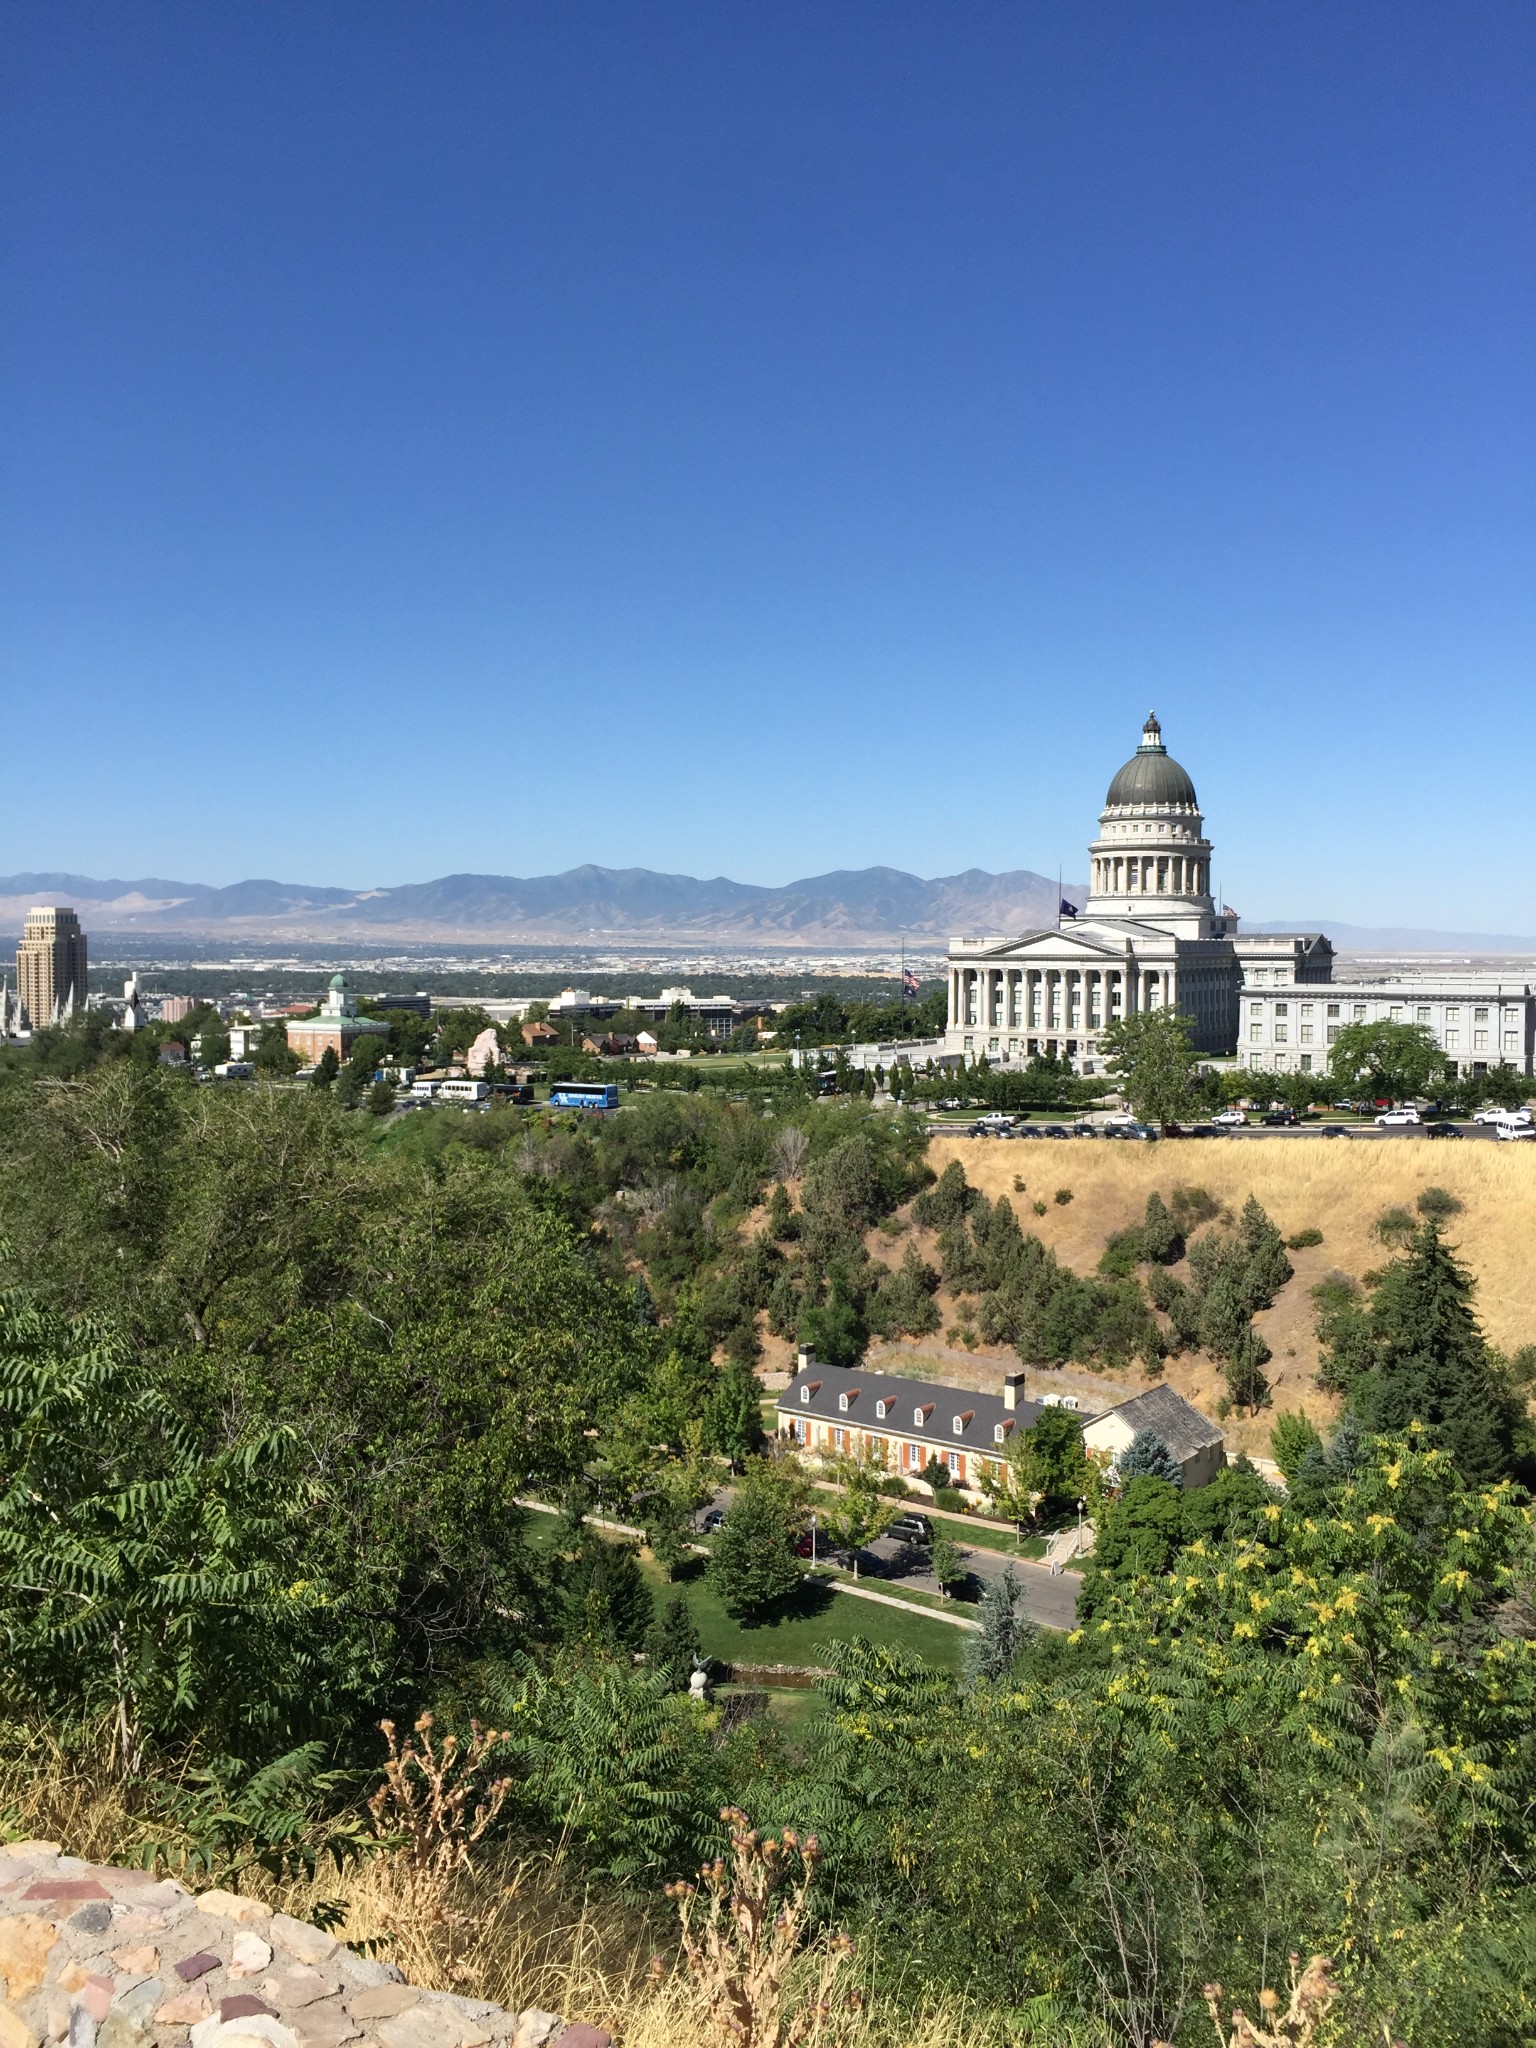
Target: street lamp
[(813, 1537), (1080, 1506)]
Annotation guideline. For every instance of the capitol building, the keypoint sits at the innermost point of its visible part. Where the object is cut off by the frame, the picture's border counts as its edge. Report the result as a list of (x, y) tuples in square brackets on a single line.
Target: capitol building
[(1150, 935)]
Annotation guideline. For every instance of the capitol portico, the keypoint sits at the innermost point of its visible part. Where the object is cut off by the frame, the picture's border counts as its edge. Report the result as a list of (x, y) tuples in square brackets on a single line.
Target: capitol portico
[(1150, 935)]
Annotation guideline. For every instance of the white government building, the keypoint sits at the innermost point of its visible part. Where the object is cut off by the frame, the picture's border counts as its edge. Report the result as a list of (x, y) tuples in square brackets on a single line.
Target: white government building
[(1150, 934)]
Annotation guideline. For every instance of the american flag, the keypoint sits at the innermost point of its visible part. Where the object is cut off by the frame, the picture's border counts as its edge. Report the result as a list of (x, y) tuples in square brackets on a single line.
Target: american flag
[(909, 982)]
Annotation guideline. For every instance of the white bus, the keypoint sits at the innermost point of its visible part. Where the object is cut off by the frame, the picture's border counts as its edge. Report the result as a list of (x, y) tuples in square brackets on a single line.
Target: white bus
[(462, 1091)]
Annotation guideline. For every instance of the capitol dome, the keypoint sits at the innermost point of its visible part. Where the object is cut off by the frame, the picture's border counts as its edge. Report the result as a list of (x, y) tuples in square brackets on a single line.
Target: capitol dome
[(1152, 776)]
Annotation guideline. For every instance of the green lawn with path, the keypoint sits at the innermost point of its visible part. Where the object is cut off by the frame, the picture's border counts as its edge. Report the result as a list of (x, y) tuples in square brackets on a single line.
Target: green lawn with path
[(816, 1616)]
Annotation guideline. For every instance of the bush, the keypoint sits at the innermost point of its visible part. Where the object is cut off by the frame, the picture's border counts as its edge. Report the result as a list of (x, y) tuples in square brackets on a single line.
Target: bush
[(1040, 1208), (1193, 1206), (950, 1500), (1301, 1240), (1122, 1255), (1394, 1226), (1438, 1204), (1063, 1196)]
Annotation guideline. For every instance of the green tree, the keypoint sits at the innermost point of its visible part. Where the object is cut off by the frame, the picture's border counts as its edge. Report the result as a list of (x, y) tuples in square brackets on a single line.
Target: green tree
[(947, 1562), (990, 1655), (861, 1512), (753, 1567), (604, 1600), (1429, 1362), (1294, 1441), (733, 1421), (833, 1325), (1152, 1054), (273, 1054), (145, 1575), (1049, 1465), (1146, 1456), (674, 1645), (1386, 1062), (327, 1067)]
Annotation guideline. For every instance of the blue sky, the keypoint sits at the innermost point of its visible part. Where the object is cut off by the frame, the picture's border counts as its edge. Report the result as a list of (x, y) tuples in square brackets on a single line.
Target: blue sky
[(765, 438)]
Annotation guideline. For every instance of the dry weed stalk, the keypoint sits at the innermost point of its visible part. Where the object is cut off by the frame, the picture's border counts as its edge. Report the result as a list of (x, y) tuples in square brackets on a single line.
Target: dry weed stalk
[(749, 1934), (1312, 1992), (426, 1793)]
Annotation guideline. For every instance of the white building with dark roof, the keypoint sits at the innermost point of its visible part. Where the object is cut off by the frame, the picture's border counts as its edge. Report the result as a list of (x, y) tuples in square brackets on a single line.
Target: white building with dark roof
[(1178, 1425), (831, 1411)]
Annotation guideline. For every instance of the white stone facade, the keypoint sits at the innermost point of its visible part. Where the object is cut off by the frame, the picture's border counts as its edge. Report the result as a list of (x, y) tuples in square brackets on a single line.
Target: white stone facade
[(1150, 934), (1480, 1021)]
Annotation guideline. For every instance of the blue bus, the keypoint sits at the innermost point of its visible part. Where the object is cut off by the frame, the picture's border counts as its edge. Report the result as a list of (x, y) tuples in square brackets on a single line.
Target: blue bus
[(584, 1095)]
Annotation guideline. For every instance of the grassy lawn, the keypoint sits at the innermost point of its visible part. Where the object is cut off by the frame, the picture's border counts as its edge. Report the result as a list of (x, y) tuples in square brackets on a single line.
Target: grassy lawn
[(792, 1709), (816, 1616), (959, 1530)]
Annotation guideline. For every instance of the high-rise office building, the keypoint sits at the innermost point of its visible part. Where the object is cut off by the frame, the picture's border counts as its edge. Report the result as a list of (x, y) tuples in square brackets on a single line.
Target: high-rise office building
[(50, 965)]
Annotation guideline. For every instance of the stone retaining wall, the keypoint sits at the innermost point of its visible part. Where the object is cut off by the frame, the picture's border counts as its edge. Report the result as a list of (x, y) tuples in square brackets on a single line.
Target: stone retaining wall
[(102, 1958)]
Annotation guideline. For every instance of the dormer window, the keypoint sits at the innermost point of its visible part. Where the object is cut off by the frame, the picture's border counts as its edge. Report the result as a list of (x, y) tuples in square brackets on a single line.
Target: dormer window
[(963, 1422), (842, 1402), (1001, 1431), (881, 1409), (805, 1395), (921, 1414)]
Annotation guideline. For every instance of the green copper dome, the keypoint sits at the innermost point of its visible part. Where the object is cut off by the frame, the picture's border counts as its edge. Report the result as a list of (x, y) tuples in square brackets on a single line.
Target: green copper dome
[(338, 981), (1152, 776)]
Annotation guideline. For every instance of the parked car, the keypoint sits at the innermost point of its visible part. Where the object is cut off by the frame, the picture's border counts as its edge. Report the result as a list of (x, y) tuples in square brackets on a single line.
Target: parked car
[(1502, 1116), (911, 1528), (1084, 1131), (1118, 1119), (1515, 1131), (1234, 1117), (712, 1521), (1392, 1118), (1140, 1131)]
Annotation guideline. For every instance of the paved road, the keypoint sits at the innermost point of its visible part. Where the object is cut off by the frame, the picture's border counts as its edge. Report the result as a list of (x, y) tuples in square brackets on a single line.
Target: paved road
[(1050, 1601)]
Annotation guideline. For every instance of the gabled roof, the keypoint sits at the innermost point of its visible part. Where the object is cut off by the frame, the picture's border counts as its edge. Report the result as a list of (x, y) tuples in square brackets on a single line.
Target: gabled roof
[(1170, 1417), (980, 1414)]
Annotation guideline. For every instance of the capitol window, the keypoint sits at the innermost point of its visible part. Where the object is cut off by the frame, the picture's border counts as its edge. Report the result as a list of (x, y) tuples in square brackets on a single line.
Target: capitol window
[(1333, 1033), (1282, 1009), (1359, 1013), (1280, 1034), (1479, 1016), (1256, 1031), (1396, 1013), (1306, 1034), (1333, 1009), (1479, 1041), (1422, 1015), (1453, 1014), (1452, 1040)]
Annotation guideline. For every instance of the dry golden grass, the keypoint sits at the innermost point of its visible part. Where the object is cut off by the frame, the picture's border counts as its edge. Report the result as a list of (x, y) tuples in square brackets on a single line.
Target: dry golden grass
[(1339, 1186), (522, 1930)]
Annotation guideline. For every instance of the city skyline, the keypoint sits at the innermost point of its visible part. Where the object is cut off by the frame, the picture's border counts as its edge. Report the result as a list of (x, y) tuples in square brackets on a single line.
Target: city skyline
[(771, 444)]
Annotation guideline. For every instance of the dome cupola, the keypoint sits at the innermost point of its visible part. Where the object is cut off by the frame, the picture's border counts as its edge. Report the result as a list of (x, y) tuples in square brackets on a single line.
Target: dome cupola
[(1151, 776), (1152, 860)]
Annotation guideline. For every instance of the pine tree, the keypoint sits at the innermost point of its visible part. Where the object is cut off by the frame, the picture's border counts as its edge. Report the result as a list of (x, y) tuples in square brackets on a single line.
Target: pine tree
[(1148, 1457), (327, 1067), (1261, 1249), (1432, 1362), (1247, 1382), (1005, 1629), (1161, 1243), (605, 1600), (673, 1643)]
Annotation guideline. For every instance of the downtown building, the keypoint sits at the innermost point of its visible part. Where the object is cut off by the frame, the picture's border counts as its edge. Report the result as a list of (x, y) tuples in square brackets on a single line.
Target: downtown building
[(50, 966)]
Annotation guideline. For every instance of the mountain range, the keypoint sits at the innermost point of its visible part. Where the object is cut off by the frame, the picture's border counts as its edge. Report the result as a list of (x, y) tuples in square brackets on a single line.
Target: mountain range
[(590, 905), (586, 905)]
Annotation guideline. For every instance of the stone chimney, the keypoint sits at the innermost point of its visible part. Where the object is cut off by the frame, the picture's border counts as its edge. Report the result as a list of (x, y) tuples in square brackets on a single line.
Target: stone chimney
[(807, 1356), (1013, 1387)]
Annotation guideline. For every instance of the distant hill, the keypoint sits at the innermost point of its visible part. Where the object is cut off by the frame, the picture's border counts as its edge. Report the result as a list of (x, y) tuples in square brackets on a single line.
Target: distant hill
[(863, 906)]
